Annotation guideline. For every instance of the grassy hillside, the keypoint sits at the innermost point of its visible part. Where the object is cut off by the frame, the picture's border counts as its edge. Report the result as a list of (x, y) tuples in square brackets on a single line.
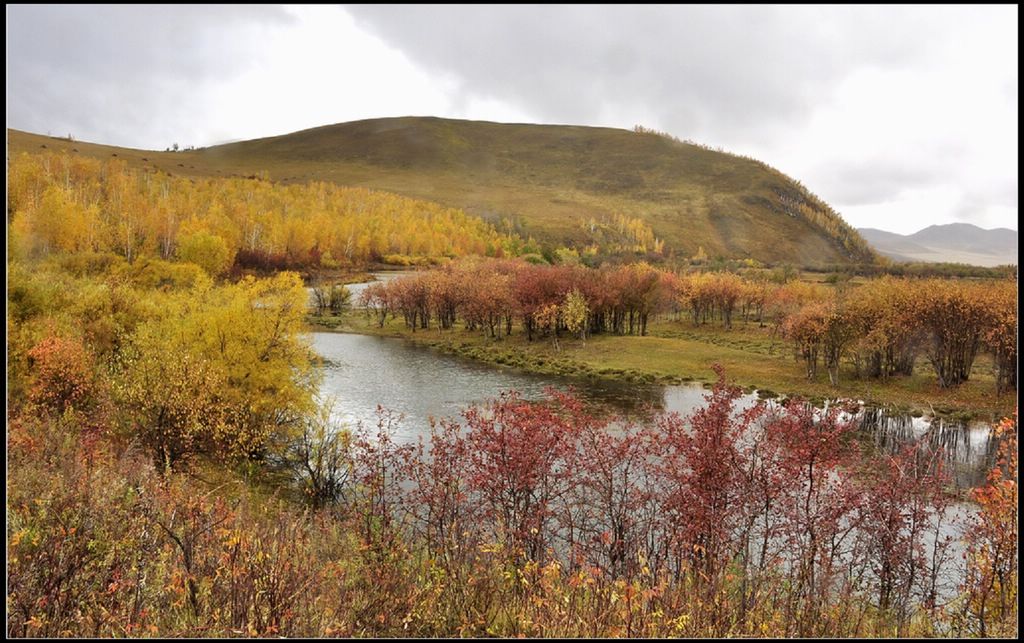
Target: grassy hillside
[(555, 183)]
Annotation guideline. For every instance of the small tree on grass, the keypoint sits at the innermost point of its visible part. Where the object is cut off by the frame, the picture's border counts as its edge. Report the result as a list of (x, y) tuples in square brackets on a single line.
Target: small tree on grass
[(339, 299), (807, 328), (547, 320), (576, 314), (955, 316)]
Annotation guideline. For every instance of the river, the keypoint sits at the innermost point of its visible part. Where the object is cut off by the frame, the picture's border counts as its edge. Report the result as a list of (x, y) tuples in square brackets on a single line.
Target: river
[(362, 371), (357, 288)]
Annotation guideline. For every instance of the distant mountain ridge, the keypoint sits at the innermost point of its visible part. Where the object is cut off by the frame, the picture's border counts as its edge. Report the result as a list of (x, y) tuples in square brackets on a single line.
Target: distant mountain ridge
[(951, 242)]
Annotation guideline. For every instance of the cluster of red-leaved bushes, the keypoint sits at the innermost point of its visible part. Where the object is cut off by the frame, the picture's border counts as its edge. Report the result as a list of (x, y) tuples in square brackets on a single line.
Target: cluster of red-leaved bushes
[(876, 330), (522, 518)]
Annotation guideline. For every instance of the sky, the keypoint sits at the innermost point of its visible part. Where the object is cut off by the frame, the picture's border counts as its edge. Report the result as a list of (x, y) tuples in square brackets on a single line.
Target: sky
[(899, 117)]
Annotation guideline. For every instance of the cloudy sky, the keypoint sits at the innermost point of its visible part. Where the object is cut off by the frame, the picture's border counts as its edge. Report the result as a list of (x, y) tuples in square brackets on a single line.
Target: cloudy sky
[(900, 117)]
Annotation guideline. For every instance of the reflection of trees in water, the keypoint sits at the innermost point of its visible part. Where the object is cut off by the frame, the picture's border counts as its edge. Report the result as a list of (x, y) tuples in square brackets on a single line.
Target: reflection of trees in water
[(639, 402), (969, 449)]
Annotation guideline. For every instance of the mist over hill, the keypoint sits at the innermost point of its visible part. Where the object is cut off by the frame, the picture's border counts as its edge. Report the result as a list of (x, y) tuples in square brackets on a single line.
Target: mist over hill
[(952, 243)]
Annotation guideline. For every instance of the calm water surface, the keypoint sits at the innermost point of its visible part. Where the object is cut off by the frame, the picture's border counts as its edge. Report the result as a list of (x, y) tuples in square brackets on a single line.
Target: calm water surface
[(361, 372), (357, 289)]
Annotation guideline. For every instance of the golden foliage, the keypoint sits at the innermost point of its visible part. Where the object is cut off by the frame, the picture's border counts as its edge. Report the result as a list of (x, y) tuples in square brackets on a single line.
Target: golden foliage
[(60, 203)]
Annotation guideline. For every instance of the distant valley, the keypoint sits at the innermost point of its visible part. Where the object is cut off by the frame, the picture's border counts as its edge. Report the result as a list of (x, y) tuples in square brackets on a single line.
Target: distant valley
[(950, 243)]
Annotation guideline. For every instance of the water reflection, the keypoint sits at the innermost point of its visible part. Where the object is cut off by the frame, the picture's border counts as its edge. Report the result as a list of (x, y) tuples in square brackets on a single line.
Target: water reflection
[(358, 288), (969, 448), (363, 371)]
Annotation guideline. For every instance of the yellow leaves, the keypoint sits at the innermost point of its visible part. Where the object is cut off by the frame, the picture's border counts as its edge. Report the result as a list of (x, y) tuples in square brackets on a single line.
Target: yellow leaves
[(679, 623), (18, 536), (218, 364), (232, 538), (36, 621), (551, 571), (575, 313), (208, 251), (489, 548), (78, 205)]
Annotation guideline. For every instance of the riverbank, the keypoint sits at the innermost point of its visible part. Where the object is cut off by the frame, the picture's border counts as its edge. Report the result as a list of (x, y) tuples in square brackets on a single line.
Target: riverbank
[(675, 352)]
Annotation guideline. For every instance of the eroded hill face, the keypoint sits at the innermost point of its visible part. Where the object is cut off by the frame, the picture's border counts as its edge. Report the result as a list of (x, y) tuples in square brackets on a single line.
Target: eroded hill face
[(558, 184)]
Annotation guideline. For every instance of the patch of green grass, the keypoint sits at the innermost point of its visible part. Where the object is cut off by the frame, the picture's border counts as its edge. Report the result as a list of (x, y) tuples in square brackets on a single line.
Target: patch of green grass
[(681, 353)]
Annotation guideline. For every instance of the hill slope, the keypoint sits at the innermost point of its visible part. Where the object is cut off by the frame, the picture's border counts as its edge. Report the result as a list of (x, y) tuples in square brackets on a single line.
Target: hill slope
[(953, 242), (552, 182)]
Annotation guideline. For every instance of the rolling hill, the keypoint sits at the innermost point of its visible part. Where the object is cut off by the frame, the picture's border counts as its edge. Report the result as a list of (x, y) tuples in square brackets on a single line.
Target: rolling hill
[(556, 183), (953, 243)]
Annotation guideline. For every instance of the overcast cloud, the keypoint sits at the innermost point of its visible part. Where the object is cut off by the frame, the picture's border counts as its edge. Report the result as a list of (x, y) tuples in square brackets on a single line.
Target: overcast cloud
[(900, 117)]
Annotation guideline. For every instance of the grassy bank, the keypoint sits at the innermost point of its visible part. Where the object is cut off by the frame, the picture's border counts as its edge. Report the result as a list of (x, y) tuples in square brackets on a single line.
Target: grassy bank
[(676, 351)]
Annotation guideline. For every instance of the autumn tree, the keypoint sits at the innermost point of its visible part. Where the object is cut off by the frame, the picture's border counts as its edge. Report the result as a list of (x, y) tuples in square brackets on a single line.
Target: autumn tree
[(903, 496), (487, 300), (444, 293), (440, 508), (955, 315), (816, 507), (236, 374), (726, 289), (547, 320), (256, 330), (321, 459), (839, 333), (209, 252), (641, 296), (379, 467), (339, 298), (614, 511), (63, 377), (703, 467), (695, 294), (377, 300), (806, 328), (575, 314), (516, 463), (1000, 335), (170, 395), (889, 334)]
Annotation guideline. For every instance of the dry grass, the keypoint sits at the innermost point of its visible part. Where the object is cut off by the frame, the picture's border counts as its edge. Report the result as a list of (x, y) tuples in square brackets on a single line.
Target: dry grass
[(543, 181)]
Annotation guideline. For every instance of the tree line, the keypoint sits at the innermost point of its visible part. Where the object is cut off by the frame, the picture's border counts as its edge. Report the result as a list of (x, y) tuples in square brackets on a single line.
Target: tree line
[(879, 328), (59, 203)]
